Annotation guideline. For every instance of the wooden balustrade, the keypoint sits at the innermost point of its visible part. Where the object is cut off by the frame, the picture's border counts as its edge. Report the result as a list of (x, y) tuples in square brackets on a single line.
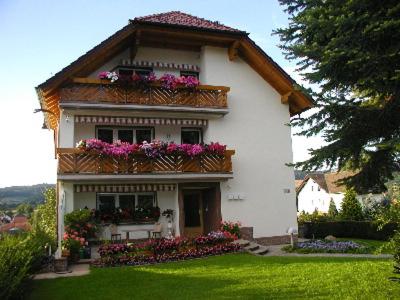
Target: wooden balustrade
[(76, 161), (102, 91)]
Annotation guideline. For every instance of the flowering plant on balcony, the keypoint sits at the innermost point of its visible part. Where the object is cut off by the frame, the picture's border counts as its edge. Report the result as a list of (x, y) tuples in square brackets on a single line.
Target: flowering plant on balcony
[(154, 149), (112, 76), (168, 81)]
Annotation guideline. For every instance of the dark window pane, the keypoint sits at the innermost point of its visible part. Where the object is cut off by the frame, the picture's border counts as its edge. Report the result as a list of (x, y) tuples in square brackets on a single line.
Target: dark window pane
[(105, 135), (190, 137), (143, 135), (125, 135), (188, 73), (144, 71), (125, 72), (145, 201), (191, 206), (127, 202), (106, 203)]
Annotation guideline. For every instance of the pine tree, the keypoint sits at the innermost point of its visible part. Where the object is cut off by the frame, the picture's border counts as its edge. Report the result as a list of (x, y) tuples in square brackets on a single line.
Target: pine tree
[(349, 50), (351, 207), (332, 212)]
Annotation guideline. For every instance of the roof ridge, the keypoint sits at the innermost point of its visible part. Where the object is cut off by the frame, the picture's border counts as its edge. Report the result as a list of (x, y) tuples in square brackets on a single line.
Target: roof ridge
[(177, 17)]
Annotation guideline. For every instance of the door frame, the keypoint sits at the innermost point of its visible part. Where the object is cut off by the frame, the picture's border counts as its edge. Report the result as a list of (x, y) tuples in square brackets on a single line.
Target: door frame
[(216, 217)]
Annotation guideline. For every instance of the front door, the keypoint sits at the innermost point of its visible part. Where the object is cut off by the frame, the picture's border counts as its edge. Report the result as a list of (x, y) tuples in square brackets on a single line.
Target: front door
[(193, 208)]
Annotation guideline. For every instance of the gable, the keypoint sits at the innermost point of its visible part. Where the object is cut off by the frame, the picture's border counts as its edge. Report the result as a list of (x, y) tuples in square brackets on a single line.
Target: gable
[(173, 31)]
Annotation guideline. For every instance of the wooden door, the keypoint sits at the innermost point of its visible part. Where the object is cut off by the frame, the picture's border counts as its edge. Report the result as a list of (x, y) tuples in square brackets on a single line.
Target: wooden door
[(193, 212)]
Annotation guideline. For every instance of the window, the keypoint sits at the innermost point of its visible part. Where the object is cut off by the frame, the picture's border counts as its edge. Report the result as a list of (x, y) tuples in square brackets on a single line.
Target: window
[(145, 201), (319, 188), (126, 202), (191, 136), (125, 134), (106, 135), (108, 202), (190, 73), (312, 188), (125, 71)]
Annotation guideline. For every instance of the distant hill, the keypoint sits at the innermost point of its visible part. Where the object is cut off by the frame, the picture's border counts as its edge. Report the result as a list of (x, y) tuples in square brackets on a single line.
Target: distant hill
[(11, 197)]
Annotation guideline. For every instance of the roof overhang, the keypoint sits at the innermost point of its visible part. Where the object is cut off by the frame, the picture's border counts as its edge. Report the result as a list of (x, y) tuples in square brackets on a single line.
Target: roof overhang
[(139, 33)]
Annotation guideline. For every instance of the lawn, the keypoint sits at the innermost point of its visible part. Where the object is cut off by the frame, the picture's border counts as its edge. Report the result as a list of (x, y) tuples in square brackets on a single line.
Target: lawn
[(233, 276)]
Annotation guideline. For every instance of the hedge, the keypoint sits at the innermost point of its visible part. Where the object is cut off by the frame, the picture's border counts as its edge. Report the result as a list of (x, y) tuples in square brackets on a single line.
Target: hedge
[(347, 229)]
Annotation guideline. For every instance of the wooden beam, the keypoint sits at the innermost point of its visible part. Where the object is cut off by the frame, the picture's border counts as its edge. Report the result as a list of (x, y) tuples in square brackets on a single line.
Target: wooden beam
[(285, 98), (133, 49), (233, 50)]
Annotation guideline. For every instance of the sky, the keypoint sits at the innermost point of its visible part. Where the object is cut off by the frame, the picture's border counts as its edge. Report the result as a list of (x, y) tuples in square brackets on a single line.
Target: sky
[(40, 37)]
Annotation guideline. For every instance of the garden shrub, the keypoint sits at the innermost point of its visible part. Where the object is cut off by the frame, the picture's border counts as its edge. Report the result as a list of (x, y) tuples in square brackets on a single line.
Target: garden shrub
[(332, 211), (350, 229), (20, 256), (351, 207), (44, 220)]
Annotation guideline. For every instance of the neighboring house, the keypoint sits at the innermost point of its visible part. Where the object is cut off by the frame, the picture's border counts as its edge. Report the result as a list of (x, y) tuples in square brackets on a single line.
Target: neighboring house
[(244, 101), (318, 189), (19, 221)]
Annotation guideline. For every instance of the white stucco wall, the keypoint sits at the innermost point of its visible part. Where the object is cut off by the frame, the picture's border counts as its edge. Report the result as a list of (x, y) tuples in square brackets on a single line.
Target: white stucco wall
[(255, 128)]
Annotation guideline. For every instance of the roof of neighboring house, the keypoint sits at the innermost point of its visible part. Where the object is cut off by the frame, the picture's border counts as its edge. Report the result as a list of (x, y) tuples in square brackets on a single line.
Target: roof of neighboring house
[(169, 30), (183, 19), (297, 183), (327, 181), (19, 221)]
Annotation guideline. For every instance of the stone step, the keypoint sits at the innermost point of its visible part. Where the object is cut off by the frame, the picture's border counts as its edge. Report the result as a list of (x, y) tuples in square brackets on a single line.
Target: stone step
[(261, 250), (252, 247), (242, 242)]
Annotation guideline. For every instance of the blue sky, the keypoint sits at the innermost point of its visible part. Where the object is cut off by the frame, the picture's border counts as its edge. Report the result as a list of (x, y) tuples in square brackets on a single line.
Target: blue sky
[(38, 38)]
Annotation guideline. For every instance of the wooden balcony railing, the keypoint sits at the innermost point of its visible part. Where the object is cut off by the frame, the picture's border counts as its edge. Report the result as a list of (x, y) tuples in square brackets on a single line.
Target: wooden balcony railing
[(76, 161), (102, 91)]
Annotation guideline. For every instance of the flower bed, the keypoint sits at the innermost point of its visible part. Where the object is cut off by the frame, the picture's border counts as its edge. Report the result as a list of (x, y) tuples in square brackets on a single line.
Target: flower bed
[(152, 150), (165, 250), (323, 246)]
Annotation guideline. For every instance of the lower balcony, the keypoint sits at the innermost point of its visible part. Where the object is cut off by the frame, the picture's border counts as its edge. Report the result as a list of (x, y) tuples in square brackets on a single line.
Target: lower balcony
[(77, 164)]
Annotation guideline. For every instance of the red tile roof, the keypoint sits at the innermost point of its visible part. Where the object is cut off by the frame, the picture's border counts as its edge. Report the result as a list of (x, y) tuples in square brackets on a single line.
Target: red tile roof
[(183, 19)]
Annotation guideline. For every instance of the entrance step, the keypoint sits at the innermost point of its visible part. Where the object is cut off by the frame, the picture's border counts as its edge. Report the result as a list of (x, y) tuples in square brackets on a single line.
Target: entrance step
[(261, 250), (241, 242), (252, 247)]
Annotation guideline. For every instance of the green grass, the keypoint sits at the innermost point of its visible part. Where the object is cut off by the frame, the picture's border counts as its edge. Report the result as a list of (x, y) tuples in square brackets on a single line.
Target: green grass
[(234, 276)]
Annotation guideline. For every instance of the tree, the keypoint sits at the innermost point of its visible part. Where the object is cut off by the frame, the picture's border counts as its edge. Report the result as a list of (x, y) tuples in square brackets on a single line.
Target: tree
[(351, 207), (332, 211), (349, 51), (45, 217), (24, 209)]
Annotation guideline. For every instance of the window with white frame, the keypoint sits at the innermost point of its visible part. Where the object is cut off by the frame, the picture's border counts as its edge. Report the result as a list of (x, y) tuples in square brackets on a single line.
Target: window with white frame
[(189, 73), (191, 136), (129, 71), (107, 202), (125, 134)]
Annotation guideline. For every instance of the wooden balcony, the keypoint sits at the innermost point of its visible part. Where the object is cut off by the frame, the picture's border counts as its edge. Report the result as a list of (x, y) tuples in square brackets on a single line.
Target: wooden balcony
[(73, 161), (96, 91)]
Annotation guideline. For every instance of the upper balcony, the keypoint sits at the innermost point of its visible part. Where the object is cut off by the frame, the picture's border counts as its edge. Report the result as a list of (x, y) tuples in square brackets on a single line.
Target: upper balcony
[(97, 93), (76, 164)]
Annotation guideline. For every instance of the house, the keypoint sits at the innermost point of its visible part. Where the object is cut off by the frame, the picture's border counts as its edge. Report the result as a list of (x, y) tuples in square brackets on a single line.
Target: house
[(19, 221), (317, 190), (244, 101)]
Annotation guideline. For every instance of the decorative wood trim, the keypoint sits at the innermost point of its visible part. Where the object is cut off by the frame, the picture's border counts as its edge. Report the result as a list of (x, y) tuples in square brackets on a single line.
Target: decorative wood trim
[(233, 50)]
